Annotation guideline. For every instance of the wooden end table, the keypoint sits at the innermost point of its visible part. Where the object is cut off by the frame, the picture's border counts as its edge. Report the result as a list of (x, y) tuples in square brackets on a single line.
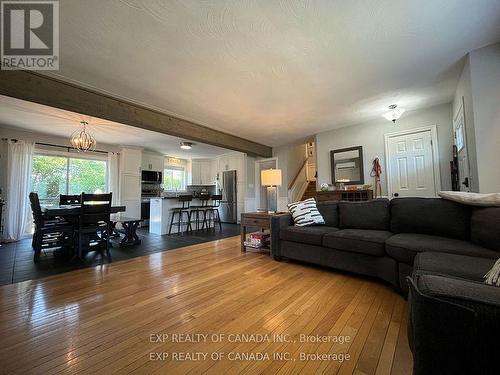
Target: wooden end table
[(261, 220)]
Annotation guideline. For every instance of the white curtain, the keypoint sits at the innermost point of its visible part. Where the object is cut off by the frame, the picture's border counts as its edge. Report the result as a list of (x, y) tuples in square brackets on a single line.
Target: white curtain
[(18, 220), (113, 177)]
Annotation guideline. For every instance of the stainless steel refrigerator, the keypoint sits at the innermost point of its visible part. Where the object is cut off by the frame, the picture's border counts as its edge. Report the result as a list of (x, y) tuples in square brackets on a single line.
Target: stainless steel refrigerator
[(228, 208)]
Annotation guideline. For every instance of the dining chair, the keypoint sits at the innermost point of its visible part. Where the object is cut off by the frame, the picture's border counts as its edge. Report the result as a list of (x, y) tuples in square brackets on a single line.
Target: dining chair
[(94, 224), (69, 199), (49, 232)]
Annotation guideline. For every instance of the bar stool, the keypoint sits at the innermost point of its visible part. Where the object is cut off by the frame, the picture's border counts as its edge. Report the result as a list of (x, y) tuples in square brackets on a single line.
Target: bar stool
[(212, 212), (201, 208), (185, 200)]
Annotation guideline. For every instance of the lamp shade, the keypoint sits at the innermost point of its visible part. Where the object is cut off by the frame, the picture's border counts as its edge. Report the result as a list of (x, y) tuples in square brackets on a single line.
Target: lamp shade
[(270, 177)]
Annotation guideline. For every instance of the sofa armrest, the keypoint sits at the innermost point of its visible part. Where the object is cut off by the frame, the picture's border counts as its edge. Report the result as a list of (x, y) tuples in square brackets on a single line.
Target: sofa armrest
[(437, 329), (456, 289), (454, 325), (277, 223)]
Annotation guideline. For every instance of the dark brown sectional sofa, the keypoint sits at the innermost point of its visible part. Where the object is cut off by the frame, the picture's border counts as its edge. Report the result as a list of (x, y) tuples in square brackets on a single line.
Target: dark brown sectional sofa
[(381, 238), (436, 250)]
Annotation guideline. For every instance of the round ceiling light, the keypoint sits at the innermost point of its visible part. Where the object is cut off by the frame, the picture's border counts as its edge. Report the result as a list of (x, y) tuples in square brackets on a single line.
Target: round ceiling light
[(186, 145), (394, 113)]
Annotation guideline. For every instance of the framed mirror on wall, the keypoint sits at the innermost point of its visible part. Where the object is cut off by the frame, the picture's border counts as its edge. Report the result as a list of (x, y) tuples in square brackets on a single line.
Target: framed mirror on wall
[(347, 166)]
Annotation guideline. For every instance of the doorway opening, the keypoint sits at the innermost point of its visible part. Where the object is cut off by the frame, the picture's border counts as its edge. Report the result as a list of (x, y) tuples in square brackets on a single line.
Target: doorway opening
[(261, 191)]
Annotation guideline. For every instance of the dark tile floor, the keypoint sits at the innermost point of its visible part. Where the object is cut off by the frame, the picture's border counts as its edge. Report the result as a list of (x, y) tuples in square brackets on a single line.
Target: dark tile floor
[(16, 259)]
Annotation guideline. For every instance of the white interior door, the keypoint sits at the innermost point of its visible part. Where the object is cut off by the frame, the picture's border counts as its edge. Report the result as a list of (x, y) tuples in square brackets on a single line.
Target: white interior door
[(460, 140), (411, 164)]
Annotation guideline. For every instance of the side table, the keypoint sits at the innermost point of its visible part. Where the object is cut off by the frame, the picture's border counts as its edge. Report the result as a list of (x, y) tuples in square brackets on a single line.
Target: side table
[(261, 220)]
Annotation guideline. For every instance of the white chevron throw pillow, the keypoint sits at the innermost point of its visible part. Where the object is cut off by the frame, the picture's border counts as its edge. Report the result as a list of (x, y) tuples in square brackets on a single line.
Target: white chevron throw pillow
[(305, 213)]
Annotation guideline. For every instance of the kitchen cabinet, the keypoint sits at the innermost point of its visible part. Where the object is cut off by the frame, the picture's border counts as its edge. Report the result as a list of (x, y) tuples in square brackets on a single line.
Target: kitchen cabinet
[(161, 210), (130, 181), (201, 172), (130, 159), (152, 162)]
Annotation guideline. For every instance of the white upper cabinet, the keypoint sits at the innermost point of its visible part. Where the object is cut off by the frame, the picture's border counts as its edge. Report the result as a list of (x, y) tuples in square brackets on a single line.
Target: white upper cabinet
[(151, 162), (201, 171), (130, 161), (195, 172)]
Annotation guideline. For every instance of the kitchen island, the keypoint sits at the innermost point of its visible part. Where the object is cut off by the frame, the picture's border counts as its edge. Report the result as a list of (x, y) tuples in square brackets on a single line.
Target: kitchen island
[(161, 214)]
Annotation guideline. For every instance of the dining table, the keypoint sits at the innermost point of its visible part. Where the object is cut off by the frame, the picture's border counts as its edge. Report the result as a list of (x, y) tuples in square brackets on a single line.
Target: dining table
[(71, 213), (71, 210)]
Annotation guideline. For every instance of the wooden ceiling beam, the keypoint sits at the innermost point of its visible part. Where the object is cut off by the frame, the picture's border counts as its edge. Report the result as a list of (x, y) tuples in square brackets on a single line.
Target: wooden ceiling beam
[(52, 92)]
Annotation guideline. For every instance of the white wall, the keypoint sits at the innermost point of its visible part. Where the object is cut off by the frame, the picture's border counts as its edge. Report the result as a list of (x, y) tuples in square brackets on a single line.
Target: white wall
[(370, 135), (485, 82), (290, 159), (464, 89)]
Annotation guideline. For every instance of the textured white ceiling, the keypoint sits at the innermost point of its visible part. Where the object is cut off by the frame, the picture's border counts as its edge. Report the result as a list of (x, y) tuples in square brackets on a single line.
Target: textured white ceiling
[(274, 71), (39, 118)]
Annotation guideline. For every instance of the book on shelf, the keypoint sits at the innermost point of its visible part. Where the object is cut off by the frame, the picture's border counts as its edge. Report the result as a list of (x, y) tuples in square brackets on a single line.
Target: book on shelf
[(261, 236), (253, 244), (257, 243)]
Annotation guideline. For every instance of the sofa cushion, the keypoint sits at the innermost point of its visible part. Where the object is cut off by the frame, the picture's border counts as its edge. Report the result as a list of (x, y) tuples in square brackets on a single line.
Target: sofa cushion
[(373, 214), (312, 235), (485, 227), (404, 246), (434, 216), (465, 267), (330, 212), (364, 241)]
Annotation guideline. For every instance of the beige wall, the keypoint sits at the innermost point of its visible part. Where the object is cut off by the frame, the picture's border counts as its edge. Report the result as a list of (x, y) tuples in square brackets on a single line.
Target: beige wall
[(370, 135)]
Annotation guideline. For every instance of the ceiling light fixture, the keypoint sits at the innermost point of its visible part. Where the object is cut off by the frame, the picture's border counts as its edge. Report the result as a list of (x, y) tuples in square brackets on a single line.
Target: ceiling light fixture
[(394, 113), (186, 145), (82, 140)]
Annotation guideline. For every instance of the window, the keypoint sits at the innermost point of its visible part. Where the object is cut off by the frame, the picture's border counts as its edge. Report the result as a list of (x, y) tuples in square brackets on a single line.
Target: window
[(54, 175), (174, 178)]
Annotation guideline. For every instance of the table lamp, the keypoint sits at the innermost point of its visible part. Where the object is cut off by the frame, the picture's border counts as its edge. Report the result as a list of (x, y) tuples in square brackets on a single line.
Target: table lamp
[(272, 179)]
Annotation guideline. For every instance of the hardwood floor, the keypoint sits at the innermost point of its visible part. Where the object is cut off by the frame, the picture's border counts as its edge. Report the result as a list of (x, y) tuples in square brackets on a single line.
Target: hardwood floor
[(111, 318)]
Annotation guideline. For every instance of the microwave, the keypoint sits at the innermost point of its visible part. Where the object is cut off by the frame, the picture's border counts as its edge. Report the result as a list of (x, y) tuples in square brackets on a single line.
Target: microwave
[(151, 177)]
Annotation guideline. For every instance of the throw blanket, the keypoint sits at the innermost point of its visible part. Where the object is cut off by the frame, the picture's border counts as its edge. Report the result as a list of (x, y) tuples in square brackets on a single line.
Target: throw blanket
[(493, 275), (473, 199)]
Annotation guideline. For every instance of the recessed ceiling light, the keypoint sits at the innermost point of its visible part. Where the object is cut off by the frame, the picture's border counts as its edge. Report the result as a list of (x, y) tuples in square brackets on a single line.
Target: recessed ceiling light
[(394, 113), (186, 145)]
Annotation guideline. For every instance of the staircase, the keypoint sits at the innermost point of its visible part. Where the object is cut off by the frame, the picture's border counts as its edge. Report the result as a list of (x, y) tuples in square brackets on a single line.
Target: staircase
[(310, 191)]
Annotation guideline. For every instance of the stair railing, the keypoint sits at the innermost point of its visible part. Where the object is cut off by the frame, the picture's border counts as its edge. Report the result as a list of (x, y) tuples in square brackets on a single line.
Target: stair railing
[(299, 183)]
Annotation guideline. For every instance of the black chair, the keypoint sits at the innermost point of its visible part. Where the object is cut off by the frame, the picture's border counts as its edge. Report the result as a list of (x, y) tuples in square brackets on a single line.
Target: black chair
[(201, 208), (185, 208), (212, 212), (94, 224), (49, 232), (69, 199)]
